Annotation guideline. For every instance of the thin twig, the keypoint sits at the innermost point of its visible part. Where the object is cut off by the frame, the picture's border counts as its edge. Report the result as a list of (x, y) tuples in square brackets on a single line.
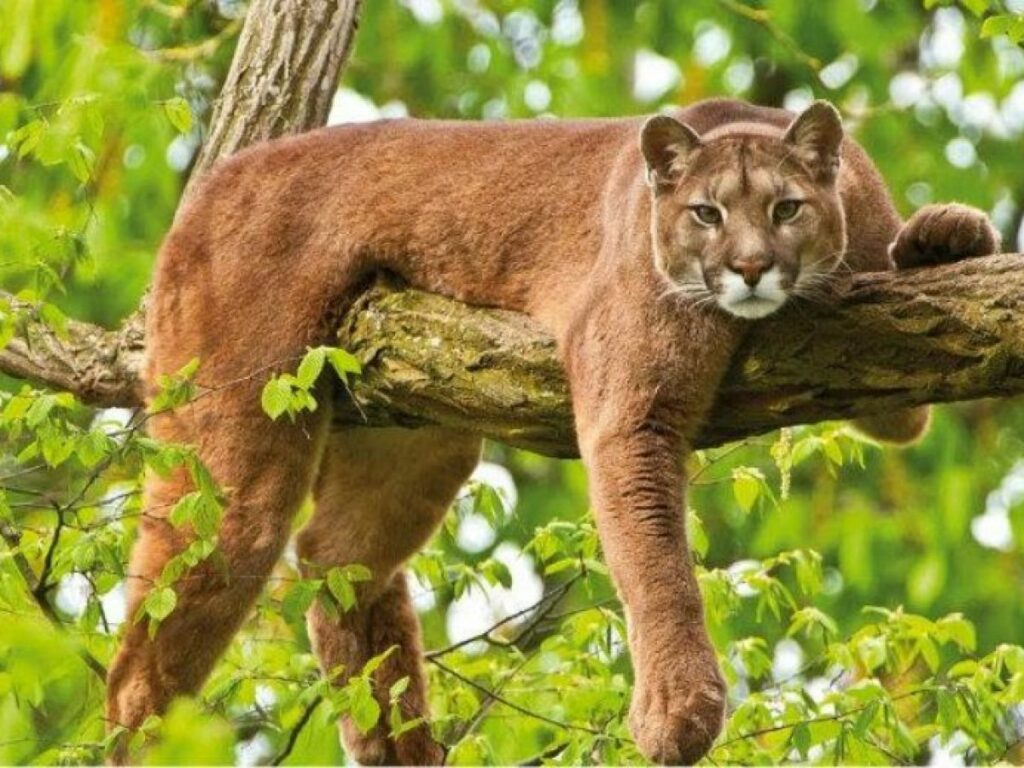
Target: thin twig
[(523, 710), (764, 18), (293, 735), (13, 540), (553, 596)]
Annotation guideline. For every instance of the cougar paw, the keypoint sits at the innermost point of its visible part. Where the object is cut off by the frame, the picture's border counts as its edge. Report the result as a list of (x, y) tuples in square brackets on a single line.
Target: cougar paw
[(676, 719), (939, 234)]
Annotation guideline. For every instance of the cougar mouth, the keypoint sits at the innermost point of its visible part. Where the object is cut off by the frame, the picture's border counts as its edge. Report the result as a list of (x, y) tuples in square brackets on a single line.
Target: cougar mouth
[(752, 301)]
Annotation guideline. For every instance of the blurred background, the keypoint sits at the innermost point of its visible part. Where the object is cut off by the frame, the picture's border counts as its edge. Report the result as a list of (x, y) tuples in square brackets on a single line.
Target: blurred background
[(802, 535)]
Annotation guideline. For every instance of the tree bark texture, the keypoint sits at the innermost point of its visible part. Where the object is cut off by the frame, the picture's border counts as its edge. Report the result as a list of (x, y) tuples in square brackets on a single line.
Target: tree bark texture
[(887, 341), (283, 76)]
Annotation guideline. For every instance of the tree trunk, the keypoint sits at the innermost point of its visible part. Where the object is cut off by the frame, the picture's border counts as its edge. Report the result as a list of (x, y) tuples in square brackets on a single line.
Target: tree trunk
[(283, 76)]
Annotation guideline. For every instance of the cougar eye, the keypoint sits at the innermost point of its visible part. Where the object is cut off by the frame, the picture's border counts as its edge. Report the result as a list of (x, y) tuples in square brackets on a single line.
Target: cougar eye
[(707, 214), (785, 210)]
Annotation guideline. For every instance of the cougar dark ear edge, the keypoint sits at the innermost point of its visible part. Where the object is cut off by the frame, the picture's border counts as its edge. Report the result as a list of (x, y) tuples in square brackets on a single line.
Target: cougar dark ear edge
[(816, 135), (665, 143)]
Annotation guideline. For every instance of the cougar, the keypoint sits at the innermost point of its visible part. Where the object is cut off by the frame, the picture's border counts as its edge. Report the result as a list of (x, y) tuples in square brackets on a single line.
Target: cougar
[(647, 247)]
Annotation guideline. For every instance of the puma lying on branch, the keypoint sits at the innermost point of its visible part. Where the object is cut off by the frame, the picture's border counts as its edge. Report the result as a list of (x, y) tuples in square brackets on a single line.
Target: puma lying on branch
[(646, 248)]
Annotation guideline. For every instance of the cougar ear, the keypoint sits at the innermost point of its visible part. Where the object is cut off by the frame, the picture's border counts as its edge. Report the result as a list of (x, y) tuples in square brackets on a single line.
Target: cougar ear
[(665, 143), (816, 134)]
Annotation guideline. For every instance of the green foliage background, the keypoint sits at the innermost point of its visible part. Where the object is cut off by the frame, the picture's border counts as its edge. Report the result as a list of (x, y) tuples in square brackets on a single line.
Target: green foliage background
[(859, 616)]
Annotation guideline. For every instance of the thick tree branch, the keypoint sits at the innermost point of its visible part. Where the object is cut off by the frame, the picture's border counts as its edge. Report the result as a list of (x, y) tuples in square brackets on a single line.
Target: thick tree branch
[(888, 341)]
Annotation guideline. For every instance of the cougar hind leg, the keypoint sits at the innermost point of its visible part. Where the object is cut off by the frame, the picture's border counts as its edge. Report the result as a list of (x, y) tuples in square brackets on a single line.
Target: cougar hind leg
[(211, 301), (265, 469), (379, 496), (899, 427)]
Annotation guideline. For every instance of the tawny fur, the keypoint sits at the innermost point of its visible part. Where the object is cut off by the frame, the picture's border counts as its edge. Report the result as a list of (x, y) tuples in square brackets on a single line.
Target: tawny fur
[(550, 218)]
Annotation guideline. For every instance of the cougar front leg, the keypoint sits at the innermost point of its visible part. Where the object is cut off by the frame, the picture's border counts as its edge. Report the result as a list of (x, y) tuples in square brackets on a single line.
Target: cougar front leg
[(636, 485)]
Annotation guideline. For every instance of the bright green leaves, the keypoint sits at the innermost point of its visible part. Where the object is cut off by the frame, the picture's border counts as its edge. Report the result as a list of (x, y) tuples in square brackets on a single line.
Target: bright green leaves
[(188, 735), (363, 707), (336, 592), (997, 23), (27, 137), (47, 426), (292, 394), (159, 603), (297, 600), (64, 136), (197, 512), (341, 583), (562, 545), (281, 396), (977, 7), (179, 114), (397, 725), (200, 511), (748, 484), (696, 533), (811, 620), (176, 389), (891, 690), (1004, 24), (312, 364)]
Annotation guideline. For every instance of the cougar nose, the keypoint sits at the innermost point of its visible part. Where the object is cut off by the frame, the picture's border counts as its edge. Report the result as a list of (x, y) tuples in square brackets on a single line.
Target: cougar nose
[(752, 269)]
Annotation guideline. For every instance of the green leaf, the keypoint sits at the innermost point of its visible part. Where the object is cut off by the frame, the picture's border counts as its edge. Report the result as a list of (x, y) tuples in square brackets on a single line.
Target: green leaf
[(864, 719), (363, 708), (959, 630), (698, 537), (160, 602), (81, 160), (298, 599), (179, 113), (176, 389), (746, 486), (977, 7), (398, 688), (356, 572), (276, 397), (343, 362), (801, 739), (311, 366), (497, 571), (832, 451), (996, 25), (83, 556), (27, 138), (929, 652), (341, 588)]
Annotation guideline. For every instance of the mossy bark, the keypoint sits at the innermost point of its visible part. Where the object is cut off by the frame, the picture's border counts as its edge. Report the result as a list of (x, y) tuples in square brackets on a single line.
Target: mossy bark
[(885, 341)]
